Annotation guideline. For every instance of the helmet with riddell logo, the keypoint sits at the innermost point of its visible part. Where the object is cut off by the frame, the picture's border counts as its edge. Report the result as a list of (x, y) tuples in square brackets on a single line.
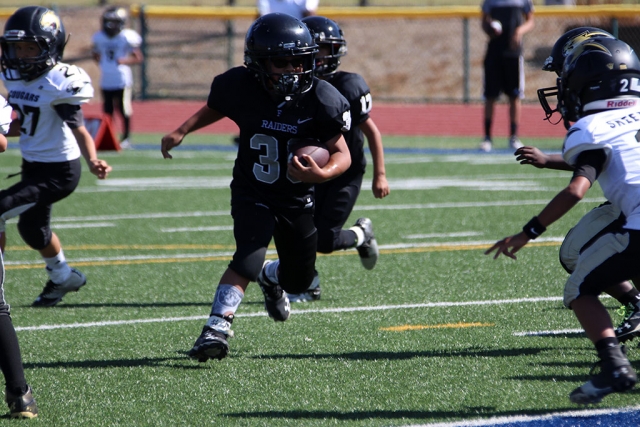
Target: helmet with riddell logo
[(599, 74)]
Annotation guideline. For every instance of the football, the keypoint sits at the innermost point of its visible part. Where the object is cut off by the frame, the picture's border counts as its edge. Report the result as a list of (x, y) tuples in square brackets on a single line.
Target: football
[(312, 147)]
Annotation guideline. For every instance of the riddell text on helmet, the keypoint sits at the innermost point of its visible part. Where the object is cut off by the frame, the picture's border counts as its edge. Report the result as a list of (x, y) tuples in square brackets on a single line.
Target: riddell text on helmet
[(620, 103)]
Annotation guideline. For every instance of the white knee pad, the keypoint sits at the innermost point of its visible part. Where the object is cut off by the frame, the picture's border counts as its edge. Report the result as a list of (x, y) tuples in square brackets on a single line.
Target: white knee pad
[(586, 229)]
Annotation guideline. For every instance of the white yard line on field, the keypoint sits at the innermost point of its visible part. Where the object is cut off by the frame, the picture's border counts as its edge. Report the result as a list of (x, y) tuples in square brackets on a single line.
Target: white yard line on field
[(298, 312), (460, 205)]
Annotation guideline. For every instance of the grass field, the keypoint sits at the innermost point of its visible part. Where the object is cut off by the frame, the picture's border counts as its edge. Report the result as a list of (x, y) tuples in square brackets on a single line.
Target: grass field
[(434, 333)]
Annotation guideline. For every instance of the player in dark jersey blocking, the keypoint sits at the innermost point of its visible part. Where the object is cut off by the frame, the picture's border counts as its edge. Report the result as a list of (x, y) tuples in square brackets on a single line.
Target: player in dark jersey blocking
[(274, 99), (335, 199)]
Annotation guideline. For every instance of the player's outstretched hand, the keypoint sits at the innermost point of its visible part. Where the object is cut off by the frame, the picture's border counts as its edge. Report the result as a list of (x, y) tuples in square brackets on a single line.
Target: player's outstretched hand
[(99, 168), (509, 245), (531, 156), (170, 141)]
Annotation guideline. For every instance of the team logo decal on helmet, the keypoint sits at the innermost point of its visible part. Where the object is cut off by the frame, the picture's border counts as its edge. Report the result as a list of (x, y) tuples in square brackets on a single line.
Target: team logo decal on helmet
[(50, 22)]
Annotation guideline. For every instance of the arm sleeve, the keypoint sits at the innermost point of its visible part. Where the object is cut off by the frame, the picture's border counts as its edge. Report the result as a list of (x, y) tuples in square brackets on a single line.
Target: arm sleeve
[(70, 114), (589, 164)]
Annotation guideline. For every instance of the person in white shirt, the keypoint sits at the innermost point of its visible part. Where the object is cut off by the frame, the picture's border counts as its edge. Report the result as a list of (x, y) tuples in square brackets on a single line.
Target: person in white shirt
[(297, 8), (599, 92), (46, 95), (116, 48)]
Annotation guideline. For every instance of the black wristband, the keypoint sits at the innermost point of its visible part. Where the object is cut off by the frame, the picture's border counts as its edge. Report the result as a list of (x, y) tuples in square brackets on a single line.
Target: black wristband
[(533, 228)]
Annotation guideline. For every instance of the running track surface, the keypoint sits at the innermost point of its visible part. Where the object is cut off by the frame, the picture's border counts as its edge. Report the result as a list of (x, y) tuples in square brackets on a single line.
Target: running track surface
[(391, 119)]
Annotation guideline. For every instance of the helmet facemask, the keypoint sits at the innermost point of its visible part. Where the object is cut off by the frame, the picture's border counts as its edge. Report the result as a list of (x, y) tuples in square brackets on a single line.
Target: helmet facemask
[(25, 68), (330, 38), (328, 64), (549, 92)]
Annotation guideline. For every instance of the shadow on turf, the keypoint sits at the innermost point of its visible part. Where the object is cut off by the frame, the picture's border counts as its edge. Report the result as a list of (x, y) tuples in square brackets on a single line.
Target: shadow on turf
[(472, 412), (392, 355)]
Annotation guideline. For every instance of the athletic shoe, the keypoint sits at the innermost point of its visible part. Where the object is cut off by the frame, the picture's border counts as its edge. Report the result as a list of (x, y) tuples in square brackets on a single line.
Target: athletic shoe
[(515, 143), (275, 299), (368, 251), (486, 145), (53, 292), (211, 344), (311, 294), (629, 328), (22, 406), (616, 376)]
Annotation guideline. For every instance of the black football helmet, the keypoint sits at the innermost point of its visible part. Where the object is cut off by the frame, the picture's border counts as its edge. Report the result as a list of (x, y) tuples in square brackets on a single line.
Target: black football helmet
[(275, 36), (599, 74), (32, 24), (561, 49), (327, 33), (113, 20)]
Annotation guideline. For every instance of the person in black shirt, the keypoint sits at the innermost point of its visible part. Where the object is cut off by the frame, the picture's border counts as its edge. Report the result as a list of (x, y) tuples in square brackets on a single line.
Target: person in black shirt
[(274, 100), (335, 199)]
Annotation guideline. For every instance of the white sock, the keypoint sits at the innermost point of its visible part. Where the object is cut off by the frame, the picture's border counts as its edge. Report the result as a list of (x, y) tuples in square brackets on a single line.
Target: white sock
[(359, 234), (57, 268)]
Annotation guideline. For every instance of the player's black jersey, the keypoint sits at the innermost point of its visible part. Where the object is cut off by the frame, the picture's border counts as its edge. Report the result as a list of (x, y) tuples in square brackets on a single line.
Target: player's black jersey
[(353, 87), (266, 128)]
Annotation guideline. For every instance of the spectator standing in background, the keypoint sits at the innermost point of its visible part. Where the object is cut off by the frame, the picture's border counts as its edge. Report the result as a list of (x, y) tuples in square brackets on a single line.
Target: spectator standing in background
[(297, 8), (115, 48), (505, 22)]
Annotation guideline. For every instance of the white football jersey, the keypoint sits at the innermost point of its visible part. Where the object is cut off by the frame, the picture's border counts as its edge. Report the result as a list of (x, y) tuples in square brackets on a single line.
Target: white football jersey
[(44, 136), (5, 115), (295, 8), (615, 132), (113, 75)]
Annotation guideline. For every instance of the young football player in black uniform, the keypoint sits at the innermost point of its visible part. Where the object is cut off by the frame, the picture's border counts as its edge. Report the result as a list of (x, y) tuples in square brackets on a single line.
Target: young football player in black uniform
[(335, 199), (274, 100)]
